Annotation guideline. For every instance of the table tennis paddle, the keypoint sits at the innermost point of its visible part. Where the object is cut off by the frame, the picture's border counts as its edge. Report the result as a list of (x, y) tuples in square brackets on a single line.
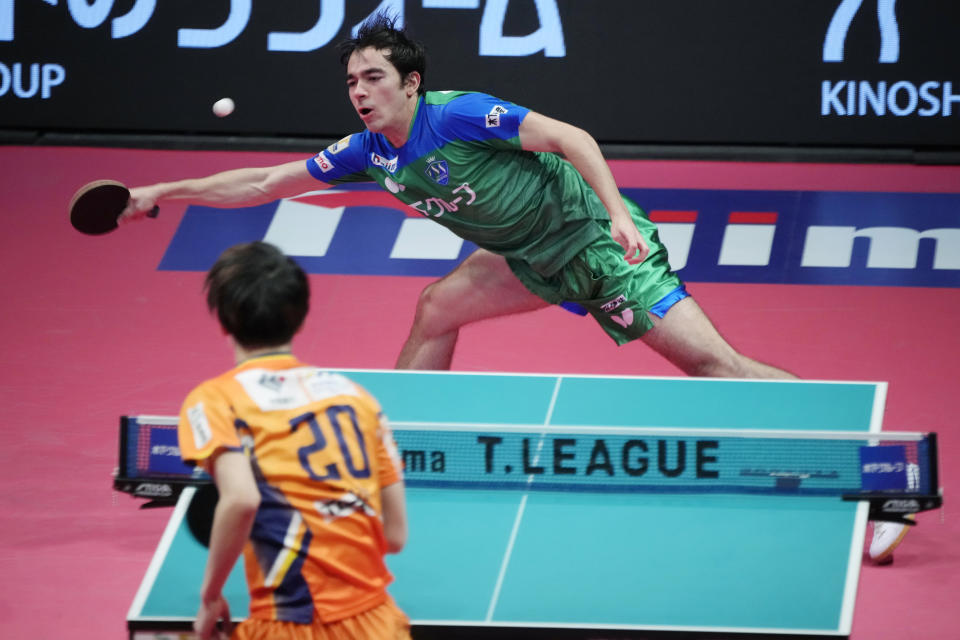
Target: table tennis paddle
[(200, 512), (97, 205)]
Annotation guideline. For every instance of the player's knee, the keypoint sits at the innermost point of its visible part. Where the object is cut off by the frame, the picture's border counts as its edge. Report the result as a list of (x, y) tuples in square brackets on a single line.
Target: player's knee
[(734, 365), (706, 369), (430, 316), (728, 365)]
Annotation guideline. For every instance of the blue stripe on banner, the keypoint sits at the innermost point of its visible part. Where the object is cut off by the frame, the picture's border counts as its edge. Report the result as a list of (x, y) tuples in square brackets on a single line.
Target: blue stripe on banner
[(205, 232), (818, 237), (739, 236)]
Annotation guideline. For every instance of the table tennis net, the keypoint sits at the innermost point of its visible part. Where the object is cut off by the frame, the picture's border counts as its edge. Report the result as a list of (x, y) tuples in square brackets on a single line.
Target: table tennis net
[(606, 459)]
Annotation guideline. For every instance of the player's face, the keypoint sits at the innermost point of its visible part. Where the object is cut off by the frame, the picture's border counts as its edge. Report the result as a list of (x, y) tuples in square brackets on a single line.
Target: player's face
[(381, 98)]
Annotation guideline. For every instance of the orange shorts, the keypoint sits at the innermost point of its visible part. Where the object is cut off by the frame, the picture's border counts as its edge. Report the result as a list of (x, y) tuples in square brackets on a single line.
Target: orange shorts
[(386, 622)]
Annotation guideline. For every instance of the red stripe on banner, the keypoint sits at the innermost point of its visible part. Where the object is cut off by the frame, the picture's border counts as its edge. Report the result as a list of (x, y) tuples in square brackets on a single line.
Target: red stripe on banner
[(332, 200), (663, 215), (753, 217)]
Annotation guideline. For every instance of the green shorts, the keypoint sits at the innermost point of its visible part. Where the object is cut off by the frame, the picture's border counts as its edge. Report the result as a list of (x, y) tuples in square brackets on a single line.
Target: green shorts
[(616, 293)]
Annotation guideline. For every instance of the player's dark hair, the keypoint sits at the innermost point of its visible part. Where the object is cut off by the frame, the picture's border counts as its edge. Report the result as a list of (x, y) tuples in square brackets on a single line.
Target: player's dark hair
[(260, 296), (380, 32)]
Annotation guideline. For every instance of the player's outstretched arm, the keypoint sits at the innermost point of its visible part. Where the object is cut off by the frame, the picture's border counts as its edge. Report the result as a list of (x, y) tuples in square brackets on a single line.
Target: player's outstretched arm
[(540, 133), (235, 188)]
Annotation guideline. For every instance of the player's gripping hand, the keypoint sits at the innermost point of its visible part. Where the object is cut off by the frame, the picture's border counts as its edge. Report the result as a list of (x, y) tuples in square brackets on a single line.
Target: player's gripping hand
[(626, 234), (142, 200), (209, 613)]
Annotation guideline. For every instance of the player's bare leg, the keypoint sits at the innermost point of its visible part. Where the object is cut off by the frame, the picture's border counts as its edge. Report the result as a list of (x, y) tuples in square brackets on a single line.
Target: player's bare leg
[(686, 337), (482, 287)]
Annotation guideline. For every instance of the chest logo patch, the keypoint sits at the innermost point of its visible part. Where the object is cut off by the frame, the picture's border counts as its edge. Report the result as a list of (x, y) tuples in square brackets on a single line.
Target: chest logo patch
[(379, 161), (438, 171)]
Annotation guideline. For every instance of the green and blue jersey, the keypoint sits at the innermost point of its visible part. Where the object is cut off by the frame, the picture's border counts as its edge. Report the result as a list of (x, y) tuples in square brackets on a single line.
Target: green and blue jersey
[(463, 167)]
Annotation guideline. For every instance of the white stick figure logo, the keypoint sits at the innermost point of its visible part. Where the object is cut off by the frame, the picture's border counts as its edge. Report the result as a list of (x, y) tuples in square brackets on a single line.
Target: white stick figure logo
[(840, 25)]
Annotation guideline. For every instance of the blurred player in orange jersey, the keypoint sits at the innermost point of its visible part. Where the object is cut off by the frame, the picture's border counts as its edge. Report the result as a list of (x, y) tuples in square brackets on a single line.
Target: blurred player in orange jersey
[(311, 488)]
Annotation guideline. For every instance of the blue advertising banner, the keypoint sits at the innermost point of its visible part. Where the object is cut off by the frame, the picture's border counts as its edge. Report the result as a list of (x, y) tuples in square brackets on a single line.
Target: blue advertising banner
[(742, 236)]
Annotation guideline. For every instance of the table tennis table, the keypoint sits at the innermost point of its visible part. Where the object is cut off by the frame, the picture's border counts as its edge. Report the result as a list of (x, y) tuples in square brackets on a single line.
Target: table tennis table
[(488, 562)]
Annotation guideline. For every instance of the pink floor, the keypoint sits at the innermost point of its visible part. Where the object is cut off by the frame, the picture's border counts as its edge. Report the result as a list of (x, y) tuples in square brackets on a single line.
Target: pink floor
[(94, 331)]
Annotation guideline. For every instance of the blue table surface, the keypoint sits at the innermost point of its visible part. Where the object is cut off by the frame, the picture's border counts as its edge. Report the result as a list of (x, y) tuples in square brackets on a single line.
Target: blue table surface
[(751, 563)]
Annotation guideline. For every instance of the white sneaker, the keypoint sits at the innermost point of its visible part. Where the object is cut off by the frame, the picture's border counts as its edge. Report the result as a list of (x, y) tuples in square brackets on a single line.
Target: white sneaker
[(886, 537)]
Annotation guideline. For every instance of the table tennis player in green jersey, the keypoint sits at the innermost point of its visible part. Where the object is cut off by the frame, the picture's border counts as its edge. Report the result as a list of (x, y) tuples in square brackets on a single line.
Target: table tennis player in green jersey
[(535, 194)]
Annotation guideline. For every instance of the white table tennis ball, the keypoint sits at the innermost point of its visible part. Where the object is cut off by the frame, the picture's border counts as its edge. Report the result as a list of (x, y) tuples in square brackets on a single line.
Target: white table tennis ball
[(223, 107)]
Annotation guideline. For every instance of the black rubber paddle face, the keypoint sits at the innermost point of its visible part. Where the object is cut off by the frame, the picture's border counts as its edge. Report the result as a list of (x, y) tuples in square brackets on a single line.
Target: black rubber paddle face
[(96, 206), (200, 512)]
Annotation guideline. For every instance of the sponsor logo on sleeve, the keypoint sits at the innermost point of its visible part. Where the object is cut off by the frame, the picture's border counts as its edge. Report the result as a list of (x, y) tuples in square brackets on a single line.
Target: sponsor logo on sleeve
[(493, 118), (339, 145), (323, 162), (202, 434)]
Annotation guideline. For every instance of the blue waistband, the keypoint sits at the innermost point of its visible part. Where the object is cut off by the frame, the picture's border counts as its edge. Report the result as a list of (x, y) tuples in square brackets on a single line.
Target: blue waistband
[(659, 309)]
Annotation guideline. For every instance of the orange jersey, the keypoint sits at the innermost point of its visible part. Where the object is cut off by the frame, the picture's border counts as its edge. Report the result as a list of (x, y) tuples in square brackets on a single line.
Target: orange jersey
[(320, 450)]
